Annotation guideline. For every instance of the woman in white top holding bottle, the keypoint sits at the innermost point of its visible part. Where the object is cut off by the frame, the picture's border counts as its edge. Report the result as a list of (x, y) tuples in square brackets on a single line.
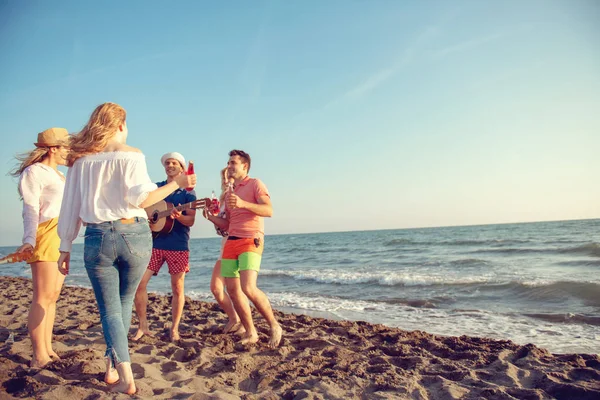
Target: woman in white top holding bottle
[(41, 187), (107, 189)]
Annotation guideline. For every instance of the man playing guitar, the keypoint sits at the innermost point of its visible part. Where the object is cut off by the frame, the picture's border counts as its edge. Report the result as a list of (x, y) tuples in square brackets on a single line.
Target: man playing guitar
[(172, 247)]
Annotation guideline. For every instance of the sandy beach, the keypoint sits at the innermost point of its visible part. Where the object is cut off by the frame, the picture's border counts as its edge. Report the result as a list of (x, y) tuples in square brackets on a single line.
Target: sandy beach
[(318, 359)]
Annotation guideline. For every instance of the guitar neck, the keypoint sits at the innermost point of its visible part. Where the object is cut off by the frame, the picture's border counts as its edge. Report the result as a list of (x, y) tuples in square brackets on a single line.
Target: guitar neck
[(181, 207)]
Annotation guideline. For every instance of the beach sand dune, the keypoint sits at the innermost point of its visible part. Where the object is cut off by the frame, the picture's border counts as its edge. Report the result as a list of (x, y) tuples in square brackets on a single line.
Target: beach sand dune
[(318, 359)]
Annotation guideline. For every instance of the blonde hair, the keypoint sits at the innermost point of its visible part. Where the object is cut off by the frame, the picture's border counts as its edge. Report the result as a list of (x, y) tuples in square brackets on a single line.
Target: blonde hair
[(101, 127), (223, 185), (29, 158)]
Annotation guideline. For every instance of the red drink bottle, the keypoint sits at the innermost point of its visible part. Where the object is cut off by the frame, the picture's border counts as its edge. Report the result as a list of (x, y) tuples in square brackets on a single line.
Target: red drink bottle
[(190, 171), (215, 206)]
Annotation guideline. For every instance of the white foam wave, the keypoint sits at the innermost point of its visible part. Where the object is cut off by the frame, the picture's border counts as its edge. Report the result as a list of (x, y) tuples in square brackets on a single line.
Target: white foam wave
[(574, 338), (321, 303), (384, 278), (200, 295)]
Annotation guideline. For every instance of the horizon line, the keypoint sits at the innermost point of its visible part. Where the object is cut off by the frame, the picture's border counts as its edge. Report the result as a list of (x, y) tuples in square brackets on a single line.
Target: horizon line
[(397, 229)]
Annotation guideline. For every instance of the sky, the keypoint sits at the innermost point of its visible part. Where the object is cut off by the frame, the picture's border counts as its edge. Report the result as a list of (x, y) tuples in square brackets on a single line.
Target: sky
[(358, 115)]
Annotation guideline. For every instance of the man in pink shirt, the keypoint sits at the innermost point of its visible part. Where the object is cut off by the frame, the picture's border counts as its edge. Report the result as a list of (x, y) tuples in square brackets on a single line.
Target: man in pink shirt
[(245, 207)]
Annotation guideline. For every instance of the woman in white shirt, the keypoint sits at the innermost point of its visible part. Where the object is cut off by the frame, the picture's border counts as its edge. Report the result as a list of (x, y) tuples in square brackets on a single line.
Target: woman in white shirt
[(41, 187), (107, 189)]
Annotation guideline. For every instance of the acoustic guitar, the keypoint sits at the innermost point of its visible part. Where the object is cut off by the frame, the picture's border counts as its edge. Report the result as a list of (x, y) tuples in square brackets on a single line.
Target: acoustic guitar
[(158, 214)]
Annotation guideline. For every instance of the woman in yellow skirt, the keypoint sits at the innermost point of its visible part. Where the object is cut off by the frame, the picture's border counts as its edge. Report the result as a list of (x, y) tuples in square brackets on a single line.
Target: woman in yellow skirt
[(41, 187)]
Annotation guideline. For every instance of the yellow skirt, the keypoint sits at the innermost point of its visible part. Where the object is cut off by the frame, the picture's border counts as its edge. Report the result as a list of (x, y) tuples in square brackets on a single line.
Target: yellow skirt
[(47, 242)]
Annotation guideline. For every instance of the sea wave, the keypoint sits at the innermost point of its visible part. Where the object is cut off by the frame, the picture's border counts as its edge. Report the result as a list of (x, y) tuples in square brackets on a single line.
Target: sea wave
[(401, 241), (480, 242), (567, 318), (416, 303), (320, 249), (382, 278), (322, 303), (469, 262), (513, 250), (525, 289), (589, 249), (540, 291), (581, 263), (456, 242)]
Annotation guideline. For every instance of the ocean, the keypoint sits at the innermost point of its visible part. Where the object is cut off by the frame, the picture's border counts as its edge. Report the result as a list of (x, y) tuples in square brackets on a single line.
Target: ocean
[(529, 282)]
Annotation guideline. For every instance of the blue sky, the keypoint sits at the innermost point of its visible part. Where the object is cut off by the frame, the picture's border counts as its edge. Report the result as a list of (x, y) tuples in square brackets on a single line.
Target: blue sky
[(358, 115)]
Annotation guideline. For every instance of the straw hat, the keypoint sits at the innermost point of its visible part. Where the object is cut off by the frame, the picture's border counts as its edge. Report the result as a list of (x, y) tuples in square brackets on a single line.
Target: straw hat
[(52, 137)]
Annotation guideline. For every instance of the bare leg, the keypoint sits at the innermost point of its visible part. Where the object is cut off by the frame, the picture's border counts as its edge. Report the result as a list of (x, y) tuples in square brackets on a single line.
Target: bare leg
[(262, 304), (141, 303), (240, 302), (126, 383), (177, 303), (42, 274), (60, 279), (217, 287)]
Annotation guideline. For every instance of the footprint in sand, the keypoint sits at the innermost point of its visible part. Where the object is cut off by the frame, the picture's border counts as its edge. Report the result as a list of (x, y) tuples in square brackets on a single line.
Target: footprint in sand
[(138, 371), (48, 378), (145, 350), (170, 366)]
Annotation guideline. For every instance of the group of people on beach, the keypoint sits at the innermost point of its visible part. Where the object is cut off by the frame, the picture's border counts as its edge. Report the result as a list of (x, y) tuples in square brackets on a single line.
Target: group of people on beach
[(107, 189)]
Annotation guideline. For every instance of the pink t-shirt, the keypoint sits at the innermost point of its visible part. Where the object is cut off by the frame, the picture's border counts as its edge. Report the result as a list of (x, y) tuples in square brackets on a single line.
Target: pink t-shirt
[(244, 223)]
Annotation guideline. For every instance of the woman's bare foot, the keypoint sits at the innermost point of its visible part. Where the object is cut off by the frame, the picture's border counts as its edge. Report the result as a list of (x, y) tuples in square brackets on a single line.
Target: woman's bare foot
[(126, 383), (35, 363), (275, 338), (122, 387), (249, 338), (111, 376), (141, 332), (232, 326), (53, 355), (175, 335), (241, 331)]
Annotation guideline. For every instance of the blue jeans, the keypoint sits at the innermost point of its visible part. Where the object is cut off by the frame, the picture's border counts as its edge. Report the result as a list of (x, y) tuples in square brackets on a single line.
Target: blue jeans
[(115, 256)]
